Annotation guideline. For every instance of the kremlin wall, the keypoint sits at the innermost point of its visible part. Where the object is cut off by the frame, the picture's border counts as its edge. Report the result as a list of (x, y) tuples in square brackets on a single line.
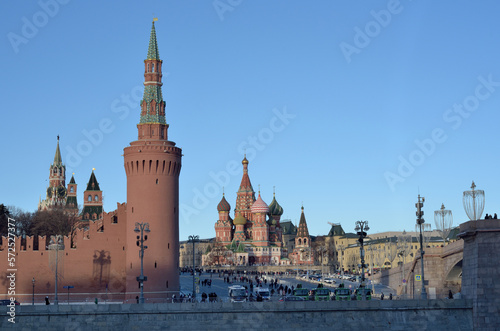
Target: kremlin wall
[(101, 259)]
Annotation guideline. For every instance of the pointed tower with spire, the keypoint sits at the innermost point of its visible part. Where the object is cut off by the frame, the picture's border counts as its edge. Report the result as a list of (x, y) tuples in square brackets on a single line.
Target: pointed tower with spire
[(152, 165), (71, 200), (245, 198), (56, 192), (302, 251), (92, 204)]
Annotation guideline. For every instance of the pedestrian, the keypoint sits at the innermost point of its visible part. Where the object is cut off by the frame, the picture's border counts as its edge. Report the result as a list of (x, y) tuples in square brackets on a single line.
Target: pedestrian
[(382, 296), (390, 296), (47, 301), (450, 294), (137, 298)]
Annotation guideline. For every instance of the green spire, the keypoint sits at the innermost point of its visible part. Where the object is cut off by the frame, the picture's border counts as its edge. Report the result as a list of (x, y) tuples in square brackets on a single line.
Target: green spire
[(57, 157), (93, 185), (153, 53)]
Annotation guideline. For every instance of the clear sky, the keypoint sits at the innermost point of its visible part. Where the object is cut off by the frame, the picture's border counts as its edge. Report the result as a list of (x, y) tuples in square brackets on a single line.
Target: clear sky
[(349, 108)]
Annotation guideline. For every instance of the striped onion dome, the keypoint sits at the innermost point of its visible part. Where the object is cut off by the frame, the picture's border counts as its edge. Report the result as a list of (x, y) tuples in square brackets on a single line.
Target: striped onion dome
[(259, 206), (275, 208), (223, 205)]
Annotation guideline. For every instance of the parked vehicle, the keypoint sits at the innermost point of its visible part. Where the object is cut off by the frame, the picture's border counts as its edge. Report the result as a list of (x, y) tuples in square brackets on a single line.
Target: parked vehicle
[(291, 298), (237, 293), (329, 280), (301, 292), (321, 294), (363, 293), (343, 294), (7, 302), (263, 293)]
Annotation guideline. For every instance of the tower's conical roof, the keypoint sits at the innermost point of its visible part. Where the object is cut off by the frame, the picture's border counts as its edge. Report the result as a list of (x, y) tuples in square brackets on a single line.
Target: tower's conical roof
[(57, 157), (93, 185), (72, 181), (246, 185), (302, 230), (153, 53)]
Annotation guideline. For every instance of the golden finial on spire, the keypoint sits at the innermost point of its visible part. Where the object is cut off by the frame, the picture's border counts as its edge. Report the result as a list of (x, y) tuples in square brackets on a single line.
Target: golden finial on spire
[(155, 19), (93, 169)]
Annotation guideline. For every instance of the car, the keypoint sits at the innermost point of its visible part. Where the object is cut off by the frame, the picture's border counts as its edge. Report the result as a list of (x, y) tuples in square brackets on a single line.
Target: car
[(329, 280), (7, 302), (291, 298)]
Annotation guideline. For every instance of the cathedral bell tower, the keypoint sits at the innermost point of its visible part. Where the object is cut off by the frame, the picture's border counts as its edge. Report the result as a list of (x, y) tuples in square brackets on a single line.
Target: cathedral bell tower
[(152, 165)]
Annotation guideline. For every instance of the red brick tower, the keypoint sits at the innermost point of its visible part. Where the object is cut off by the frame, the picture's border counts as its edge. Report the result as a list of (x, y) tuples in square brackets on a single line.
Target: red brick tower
[(152, 165), (223, 227), (92, 200), (260, 230), (245, 197), (303, 242)]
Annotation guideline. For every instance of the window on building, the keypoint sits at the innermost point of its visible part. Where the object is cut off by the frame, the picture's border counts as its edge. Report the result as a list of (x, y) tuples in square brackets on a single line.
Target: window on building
[(96, 198), (72, 189), (89, 198), (153, 67)]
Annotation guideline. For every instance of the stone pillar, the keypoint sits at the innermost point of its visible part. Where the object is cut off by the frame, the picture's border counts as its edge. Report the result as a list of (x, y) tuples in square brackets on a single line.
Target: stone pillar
[(481, 270)]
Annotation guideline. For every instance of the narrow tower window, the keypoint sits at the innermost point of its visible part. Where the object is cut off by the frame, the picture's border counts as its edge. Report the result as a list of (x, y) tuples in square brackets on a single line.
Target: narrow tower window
[(71, 189), (89, 198), (153, 66), (96, 198)]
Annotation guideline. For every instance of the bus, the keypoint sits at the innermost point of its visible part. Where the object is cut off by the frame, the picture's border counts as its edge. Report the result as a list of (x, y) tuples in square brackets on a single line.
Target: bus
[(237, 293), (321, 294), (301, 292), (363, 293), (343, 294)]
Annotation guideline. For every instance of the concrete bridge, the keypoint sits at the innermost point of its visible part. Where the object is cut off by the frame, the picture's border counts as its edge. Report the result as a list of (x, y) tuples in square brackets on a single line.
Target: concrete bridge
[(443, 272)]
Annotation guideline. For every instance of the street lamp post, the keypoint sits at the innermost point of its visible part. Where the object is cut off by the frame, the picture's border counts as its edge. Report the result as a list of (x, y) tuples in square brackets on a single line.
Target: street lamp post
[(56, 244), (361, 228), (420, 222), (194, 240), (33, 298), (142, 227)]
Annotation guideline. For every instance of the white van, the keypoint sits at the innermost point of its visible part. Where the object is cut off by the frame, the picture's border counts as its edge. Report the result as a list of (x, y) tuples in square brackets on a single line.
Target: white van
[(264, 293), (237, 293)]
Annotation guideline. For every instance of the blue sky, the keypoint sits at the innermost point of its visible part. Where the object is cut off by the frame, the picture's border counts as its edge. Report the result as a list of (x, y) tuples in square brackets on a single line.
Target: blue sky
[(350, 109)]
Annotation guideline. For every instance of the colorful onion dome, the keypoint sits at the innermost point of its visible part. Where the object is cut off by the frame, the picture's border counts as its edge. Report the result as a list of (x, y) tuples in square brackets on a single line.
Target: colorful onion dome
[(223, 205), (259, 206), (275, 208), (245, 161), (239, 220)]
